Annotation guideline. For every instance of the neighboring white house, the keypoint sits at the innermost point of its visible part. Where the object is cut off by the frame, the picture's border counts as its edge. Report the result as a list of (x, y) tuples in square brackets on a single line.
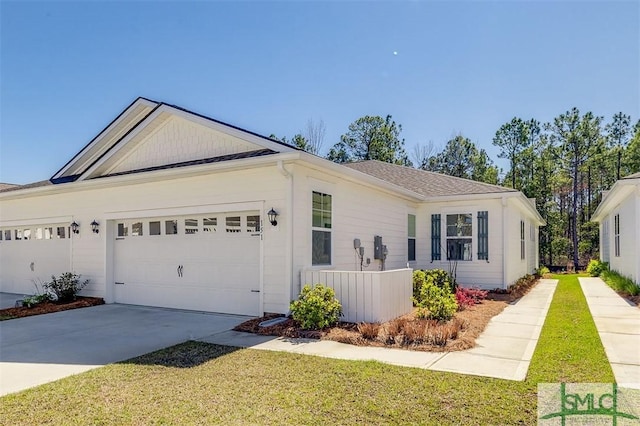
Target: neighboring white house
[(171, 209), (619, 218)]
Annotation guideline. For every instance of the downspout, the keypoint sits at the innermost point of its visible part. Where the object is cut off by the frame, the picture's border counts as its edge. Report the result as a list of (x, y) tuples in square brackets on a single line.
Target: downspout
[(289, 248), (505, 242)]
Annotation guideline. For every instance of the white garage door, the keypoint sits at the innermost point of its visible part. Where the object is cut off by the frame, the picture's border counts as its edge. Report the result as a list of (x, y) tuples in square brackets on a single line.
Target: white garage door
[(199, 262), (30, 254)]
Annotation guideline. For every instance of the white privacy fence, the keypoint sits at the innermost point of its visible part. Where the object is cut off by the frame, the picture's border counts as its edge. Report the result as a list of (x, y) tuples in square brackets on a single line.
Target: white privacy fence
[(367, 296)]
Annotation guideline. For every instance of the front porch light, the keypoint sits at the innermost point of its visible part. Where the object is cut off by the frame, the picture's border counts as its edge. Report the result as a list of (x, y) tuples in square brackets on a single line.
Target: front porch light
[(272, 214)]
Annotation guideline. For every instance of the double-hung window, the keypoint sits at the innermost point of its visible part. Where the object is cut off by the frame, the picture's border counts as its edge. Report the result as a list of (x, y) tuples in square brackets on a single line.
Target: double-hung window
[(459, 236), (522, 254), (616, 235), (321, 229), (411, 241)]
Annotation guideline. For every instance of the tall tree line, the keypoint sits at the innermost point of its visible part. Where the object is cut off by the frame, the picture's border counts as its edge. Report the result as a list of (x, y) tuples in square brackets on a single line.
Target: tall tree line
[(565, 164)]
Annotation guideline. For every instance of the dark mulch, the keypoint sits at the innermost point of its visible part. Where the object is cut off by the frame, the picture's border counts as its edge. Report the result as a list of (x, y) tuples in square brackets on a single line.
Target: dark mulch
[(469, 323), (465, 327), (633, 299), (288, 328), (49, 307), (514, 292)]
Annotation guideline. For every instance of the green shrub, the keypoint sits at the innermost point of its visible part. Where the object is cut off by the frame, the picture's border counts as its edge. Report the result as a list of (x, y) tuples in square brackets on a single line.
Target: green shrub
[(65, 287), (316, 307), (435, 302), (542, 271), (419, 279), (437, 277), (620, 283), (441, 278), (595, 267)]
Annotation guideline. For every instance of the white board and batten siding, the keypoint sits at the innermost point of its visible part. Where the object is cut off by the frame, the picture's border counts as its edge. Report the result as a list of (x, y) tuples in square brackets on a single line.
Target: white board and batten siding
[(367, 296), (627, 262)]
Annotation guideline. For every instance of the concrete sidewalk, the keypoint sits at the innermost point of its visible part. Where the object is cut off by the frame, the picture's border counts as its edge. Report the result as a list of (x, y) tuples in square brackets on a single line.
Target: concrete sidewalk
[(502, 351), (618, 324)]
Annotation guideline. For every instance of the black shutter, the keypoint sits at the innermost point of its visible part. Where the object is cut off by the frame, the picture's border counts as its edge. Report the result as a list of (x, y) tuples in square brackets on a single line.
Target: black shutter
[(483, 235), (435, 237)]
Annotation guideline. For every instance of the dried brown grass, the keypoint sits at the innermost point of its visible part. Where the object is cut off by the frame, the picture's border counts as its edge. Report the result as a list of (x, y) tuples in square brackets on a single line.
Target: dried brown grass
[(406, 332)]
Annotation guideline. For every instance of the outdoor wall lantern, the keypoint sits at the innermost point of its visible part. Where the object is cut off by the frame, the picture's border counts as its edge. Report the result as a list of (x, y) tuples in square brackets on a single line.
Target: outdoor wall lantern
[(272, 214), (75, 228), (94, 226)]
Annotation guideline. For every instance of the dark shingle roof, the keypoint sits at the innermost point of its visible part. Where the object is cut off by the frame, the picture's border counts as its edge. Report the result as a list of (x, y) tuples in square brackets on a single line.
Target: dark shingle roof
[(12, 187), (219, 159), (7, 185), (429, 184)]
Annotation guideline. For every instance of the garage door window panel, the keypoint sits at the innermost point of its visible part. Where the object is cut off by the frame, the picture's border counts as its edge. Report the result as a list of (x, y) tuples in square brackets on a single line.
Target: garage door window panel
[(136, 229), (210, 224), (170, 227), (233, 224), (7, 235), (61, 232), (154, 228), (123, 230), (253, 223), (191, 226)]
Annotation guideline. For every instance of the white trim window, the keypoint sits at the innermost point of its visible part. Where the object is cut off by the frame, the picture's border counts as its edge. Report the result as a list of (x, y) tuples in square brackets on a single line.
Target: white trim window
[(616, 235), (459, 236), (321, 229), (411, 237), (522, 247)]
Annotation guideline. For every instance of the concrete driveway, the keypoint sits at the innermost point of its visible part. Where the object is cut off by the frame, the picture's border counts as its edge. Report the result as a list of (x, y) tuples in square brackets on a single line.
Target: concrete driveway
[(40, 349)]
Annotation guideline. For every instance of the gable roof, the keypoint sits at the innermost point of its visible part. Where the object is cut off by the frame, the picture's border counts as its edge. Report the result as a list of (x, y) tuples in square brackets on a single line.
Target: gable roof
[(633, 176), (137, 121), (428, 184)]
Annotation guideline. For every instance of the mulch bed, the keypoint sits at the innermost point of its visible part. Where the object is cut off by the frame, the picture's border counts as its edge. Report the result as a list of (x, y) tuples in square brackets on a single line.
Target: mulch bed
[(49, 307), (406, 332)]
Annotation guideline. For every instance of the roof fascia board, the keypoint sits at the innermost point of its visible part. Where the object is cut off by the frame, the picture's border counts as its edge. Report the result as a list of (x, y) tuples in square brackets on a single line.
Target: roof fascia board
[(96, 140), (136, 178), (308, 159)]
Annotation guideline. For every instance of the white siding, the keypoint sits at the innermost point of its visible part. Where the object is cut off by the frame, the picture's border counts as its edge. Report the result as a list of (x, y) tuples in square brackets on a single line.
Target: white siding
[(265, 185), (629, 260), (358, 212)]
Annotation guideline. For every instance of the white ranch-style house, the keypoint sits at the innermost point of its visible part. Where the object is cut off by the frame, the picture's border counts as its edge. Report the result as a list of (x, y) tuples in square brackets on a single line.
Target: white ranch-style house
[(619, 217), (166, 207)]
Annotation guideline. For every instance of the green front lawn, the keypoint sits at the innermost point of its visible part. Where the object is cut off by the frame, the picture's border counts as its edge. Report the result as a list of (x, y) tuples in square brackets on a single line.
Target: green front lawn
[(197, 383)]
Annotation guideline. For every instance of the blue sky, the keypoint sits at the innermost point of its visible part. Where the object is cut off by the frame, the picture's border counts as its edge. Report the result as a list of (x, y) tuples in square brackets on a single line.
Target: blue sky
[(68, 68)]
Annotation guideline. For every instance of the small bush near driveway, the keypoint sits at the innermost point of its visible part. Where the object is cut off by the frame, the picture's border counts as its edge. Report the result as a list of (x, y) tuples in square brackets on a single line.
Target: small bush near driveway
[(65, 287), (316, 307)]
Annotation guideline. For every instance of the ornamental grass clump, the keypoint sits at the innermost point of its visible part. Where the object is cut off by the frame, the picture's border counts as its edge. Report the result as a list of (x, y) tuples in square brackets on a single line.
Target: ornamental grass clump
[(316, 308)]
